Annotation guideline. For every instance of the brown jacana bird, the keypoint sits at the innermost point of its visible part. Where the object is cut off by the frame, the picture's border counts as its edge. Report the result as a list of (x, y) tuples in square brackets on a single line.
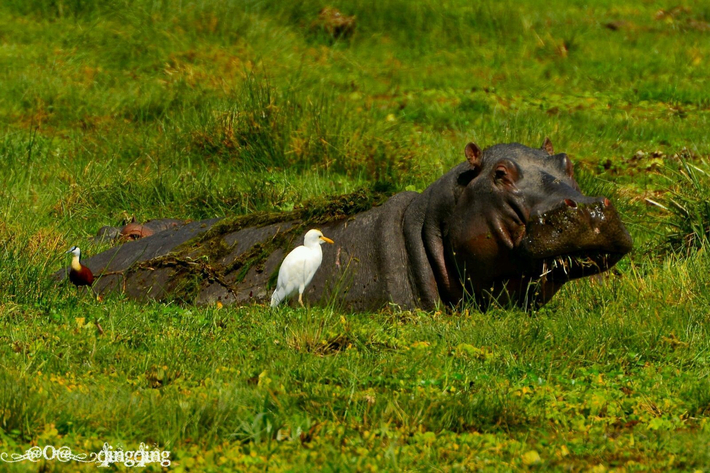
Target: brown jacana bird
[(79, 274)]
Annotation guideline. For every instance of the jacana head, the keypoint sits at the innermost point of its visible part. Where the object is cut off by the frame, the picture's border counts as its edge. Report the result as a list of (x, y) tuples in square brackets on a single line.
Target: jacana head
[(75, 251)]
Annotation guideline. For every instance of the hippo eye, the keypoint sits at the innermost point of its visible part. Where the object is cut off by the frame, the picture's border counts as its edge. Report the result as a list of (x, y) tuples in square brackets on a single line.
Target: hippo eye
[(506, 173)]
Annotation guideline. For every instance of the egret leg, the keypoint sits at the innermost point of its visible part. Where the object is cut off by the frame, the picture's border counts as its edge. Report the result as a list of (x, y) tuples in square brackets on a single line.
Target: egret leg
[(300, 299)]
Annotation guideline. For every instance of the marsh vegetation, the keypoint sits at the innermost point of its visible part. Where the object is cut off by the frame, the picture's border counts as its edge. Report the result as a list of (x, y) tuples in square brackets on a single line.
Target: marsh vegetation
[(206, 109)]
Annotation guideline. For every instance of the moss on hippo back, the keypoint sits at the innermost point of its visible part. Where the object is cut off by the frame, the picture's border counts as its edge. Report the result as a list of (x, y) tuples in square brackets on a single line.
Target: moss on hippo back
[(192, 261), (313, 212)]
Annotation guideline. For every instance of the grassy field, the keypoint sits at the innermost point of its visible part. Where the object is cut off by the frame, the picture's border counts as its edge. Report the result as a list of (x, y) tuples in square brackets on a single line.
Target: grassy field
[(210, 108)]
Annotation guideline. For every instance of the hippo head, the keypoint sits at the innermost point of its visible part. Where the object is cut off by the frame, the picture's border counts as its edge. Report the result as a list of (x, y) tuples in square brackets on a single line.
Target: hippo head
[(521, 228)]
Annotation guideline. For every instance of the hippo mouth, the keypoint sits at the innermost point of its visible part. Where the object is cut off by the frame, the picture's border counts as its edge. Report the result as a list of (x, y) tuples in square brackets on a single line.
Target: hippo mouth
[(566, 267), (545, 276)]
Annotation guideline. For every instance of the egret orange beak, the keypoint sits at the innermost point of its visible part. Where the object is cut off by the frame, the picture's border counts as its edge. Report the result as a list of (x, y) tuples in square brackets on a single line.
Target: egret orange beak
[(326, 239)]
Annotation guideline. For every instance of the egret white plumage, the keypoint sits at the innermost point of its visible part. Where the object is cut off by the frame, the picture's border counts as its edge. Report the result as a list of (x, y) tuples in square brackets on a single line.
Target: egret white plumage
[(299, 267)]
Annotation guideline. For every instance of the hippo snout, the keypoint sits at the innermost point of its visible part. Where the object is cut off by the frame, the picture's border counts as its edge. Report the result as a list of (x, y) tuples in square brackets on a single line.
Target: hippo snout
[(595, 206), (573, 203), (579, 226)]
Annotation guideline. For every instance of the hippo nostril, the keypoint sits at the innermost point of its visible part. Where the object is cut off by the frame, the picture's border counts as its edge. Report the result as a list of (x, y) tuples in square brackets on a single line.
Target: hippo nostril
[(571, 203), (606, 202)]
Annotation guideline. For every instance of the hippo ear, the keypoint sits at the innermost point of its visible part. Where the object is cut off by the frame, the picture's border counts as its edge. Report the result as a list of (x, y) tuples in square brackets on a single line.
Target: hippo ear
[(547, 146), (473, 155)]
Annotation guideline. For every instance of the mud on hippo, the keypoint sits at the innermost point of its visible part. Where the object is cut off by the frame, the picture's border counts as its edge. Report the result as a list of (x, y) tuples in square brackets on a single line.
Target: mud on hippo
[(508, 225)]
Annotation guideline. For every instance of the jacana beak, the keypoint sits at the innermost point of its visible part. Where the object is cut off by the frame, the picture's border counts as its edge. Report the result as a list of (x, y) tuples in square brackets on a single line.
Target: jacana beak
[(326, 239)]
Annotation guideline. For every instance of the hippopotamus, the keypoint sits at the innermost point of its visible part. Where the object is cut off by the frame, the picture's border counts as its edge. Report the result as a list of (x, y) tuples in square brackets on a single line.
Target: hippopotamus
[(509, 225)]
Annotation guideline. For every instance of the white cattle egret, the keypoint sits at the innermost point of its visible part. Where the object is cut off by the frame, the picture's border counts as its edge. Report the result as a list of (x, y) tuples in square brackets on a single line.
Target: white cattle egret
[(299, 266)]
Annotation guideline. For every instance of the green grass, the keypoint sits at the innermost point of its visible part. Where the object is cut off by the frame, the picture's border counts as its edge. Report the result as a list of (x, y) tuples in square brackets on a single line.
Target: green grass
[(206, 109)]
